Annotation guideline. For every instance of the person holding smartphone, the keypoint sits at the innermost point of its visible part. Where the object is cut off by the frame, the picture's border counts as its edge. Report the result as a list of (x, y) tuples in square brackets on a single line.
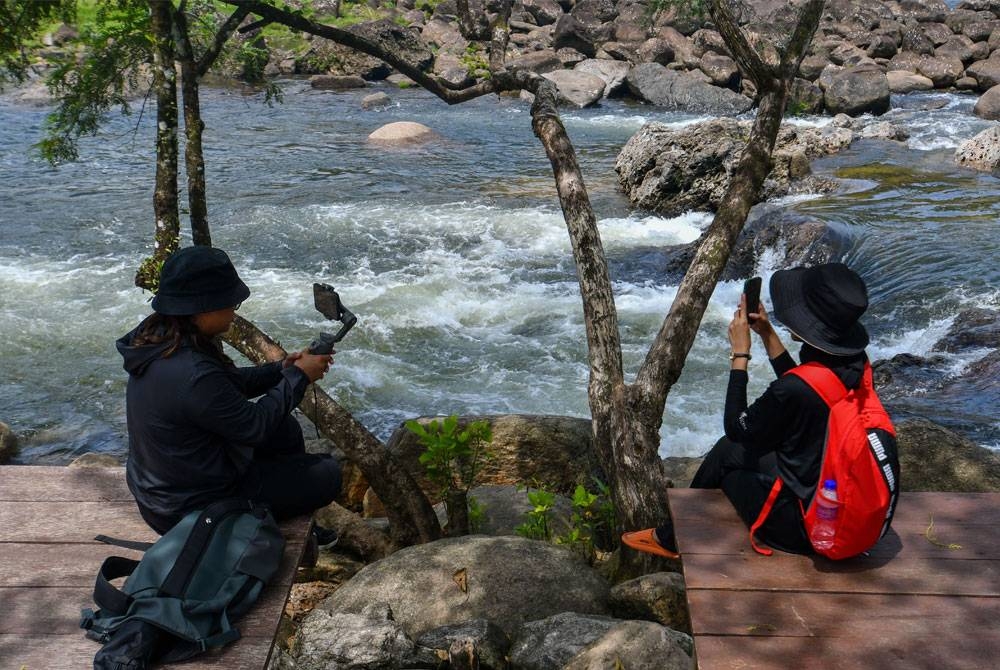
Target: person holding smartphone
[(784, 430)]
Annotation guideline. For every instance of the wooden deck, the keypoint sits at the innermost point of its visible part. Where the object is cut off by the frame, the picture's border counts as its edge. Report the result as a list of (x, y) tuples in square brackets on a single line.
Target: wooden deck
[(911, 604), (48, 562)]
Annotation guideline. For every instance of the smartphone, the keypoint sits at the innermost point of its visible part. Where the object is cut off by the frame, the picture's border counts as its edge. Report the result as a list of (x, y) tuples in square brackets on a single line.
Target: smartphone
[(751, 287)]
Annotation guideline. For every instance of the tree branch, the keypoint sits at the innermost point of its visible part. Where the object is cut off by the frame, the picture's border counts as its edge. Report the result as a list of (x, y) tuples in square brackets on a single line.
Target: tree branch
[(411, 516), (747, 58), (801, 37), (364, 45), (221, 37)]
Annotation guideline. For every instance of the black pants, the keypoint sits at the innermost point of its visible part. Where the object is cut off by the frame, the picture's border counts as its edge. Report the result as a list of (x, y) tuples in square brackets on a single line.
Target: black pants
[(290, 481), (747, 480)]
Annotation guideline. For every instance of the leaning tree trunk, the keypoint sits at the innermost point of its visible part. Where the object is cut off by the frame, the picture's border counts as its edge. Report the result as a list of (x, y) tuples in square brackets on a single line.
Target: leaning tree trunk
[(411, 517), (167, 231), (194, 160)]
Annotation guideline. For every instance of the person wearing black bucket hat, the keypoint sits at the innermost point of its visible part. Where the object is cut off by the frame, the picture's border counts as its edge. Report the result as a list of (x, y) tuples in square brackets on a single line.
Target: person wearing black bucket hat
[(195, 435), (783, 432)]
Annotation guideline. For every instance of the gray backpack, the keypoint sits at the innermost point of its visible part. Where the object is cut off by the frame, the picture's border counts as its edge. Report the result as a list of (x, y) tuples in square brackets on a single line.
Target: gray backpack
[(190, 586)]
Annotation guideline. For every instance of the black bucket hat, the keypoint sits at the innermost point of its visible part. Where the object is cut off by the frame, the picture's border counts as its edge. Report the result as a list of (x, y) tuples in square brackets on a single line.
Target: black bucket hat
[(822, 305), (198, 279)]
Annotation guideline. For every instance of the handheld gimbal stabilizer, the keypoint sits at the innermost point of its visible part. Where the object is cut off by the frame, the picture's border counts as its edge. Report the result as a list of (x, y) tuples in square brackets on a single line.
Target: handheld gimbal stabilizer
[(328, 303)]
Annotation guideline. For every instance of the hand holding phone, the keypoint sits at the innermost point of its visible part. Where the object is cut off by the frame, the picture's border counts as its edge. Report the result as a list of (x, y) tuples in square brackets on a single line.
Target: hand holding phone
[(751, 288)]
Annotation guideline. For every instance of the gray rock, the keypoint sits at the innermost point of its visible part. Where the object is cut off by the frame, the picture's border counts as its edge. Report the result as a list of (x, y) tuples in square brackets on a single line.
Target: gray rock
[(916, 41), (538, 62), (978, 31), (593, 12), (901, 81), (8, 443), (722, 70), (572, 33), (489, 641), (924, 11), (904, 61), (543, 11), (659, 597), (680, 470), (881, 46), (986, 72), (942, 71), (376, 101), (812, 66), (967, 84), (933, 458), (330, 82), (958, 18), (804, 97), (402, 133), (681, 46), (708, 41), (975, 328), (671, 171), (959, 47), (635, 644), (613, 72), (938, 33), (444, 35), (506, 508), (883, 130), (420, 586), (988, 105), (680, 91), (549, 644), (858, 90), (338, 641), (570, 58), (655, 50), (578, 89), (825, 79), (982, 152)]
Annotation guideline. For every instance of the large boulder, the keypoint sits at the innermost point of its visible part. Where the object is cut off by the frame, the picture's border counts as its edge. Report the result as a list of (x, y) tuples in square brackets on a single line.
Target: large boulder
[(988, 105), (982, 152), (577, 89), (491, 644), (975, 328), (544, 12), (933, 458), (332, 82), (505, 508), (672, 170), (986, 72), (572, 33), (857, 90), (943, 71), (682, 92), (722, 70), (504, 580), (901, 81), (338, 641), (659, 597), (613, 72), (539, 62)]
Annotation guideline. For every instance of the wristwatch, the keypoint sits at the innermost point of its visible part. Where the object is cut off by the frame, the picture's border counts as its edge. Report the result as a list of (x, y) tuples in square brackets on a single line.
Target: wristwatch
[(733, 356)]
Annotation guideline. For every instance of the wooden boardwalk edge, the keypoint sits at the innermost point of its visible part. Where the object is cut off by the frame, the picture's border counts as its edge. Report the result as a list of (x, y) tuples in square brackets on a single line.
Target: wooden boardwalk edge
[(49, 560)]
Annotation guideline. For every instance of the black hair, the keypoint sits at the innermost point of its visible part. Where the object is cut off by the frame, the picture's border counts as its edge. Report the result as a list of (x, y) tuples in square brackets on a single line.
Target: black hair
[(178, 330)]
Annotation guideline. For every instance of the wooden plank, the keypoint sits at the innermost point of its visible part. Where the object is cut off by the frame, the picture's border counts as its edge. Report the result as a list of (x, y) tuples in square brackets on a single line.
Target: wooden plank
[(760, 613), (24, 565), (53, 483), (784, 572), (75, 652), (972, 650)]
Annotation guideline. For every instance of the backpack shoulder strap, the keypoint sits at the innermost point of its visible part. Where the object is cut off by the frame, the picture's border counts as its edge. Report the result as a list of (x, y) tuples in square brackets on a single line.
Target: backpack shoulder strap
[(822, 380), (107, 596), (201, 534), (124, 544)]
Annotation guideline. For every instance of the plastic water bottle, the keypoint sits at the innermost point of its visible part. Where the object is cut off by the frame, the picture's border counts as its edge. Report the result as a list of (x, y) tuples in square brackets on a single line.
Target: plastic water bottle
[(825, 528)]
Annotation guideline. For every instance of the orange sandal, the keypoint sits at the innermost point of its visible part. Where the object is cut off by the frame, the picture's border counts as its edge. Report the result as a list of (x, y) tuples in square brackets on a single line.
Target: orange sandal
[(645, 541)]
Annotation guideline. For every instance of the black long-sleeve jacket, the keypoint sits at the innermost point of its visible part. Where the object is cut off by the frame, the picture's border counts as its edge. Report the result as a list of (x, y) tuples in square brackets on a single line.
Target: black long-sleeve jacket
[(192, 426), (789, 418)]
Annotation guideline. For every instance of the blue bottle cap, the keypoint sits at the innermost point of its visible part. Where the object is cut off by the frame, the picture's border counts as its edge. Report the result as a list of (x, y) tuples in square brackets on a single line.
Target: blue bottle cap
[(830, 484)]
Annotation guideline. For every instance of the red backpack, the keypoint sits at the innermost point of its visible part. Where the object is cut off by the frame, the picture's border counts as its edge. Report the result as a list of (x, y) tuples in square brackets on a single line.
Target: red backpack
[(860, 454)]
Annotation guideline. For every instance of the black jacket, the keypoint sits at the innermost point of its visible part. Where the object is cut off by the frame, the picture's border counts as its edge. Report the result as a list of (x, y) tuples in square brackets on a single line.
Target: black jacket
[(192, 427), (789, 418)]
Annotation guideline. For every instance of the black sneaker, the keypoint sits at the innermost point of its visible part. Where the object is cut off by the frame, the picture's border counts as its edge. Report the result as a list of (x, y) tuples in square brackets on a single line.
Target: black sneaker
[(325, 537)]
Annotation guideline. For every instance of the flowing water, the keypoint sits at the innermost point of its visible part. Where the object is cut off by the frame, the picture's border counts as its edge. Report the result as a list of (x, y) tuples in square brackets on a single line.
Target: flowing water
[(454, 256)]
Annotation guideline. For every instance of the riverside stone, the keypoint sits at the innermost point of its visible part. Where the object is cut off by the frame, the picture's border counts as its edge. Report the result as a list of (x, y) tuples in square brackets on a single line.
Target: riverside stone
[(576, 88), (988, 105), (490, 642), (402, 132), (8, 443), (342, 641), (982, 152), (376, 101), (986, 72), (551, 643), (722, 70), (538, 62), (942, 71), (543, 11), (635, 644), (680, 91), (959, 47), (901, 81), (330, 82), (857, 90), (506, 580), (933, 458), (612, 72), (974, 328), (659, 597), (92, 460)]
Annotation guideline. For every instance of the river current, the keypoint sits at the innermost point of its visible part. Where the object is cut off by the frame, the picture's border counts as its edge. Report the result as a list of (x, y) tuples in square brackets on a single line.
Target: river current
[(453, 255)]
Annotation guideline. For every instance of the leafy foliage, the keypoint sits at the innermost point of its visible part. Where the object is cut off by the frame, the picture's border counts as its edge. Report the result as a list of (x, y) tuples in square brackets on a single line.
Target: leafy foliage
[(536, 527), (20, 23), (591, 523), (453, 455)]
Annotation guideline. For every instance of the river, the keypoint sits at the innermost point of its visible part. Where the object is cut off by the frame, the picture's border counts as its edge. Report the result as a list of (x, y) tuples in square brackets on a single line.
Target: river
[(453, 255)]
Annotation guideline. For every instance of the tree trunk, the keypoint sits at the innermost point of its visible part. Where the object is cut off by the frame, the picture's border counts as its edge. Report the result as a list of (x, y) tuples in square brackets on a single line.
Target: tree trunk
[(167, 231), (457, 505), (194, 159), (355, 534), (411, 517)]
